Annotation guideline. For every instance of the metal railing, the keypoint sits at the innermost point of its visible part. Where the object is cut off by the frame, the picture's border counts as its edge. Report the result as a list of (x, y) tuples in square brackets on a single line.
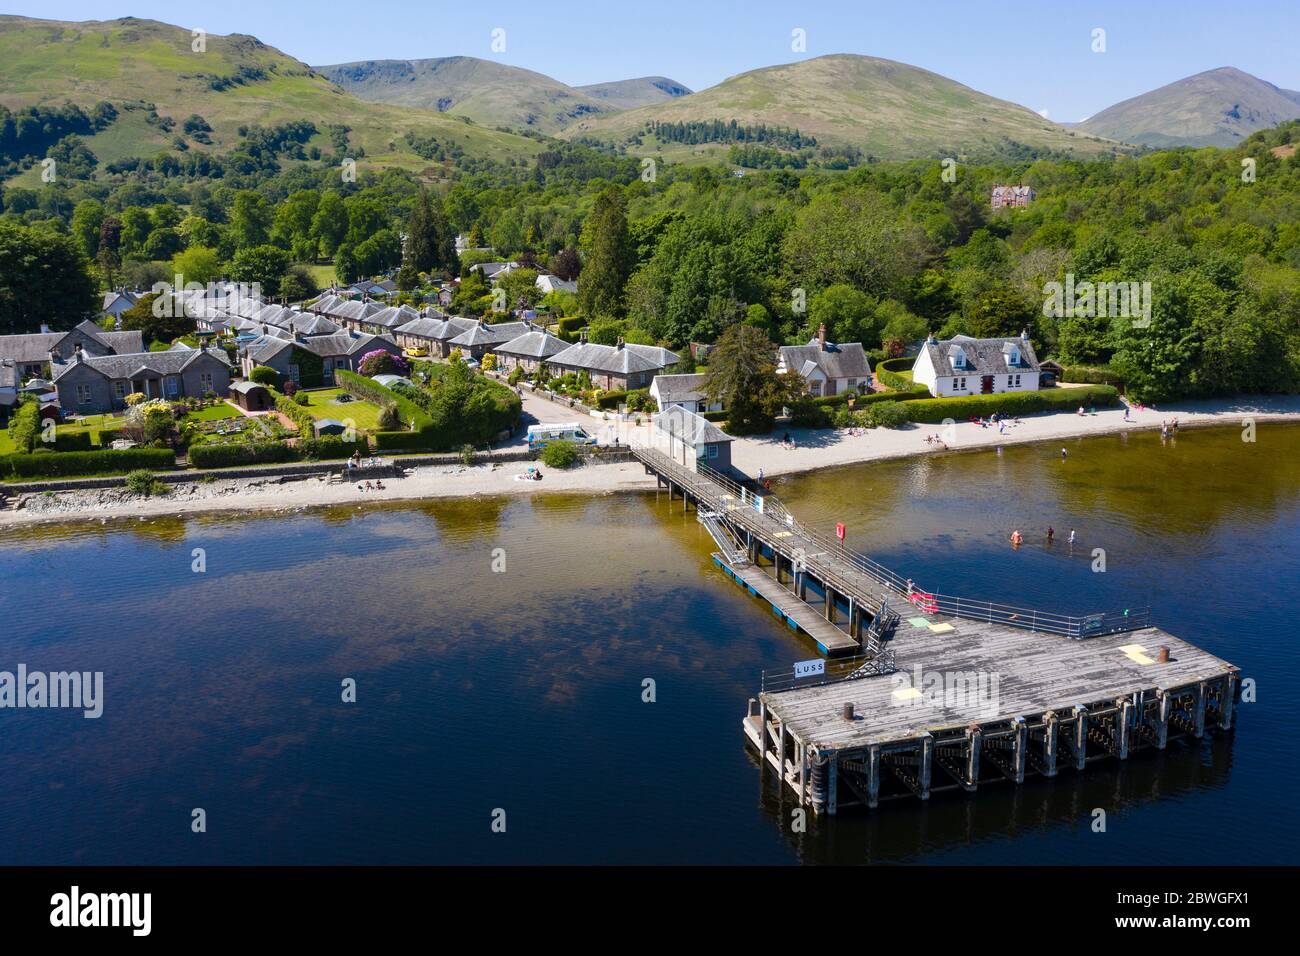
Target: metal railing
[(830, 559)]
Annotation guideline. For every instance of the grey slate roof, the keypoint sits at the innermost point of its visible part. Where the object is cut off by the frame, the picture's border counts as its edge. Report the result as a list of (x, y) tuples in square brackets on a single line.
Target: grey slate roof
[(537, 344), (612, 359), (245, 387), (171, 362), (8, 375), (393, 316), (688, 427), (675, 389), (983, 356), (36, 346), (484, 334), (847, 360)]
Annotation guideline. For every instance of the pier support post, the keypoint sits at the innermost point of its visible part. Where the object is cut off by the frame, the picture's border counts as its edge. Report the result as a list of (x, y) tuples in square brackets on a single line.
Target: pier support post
[(1198, 712), (832, 784), (1123, 719), (974, 738), (926, 765), (1080, 737), (1162, 721), (762, 738), (780, 755), (803, 773), (830, 601), (1051, 730), (873, 776), (1018, 753), (1229, 695)]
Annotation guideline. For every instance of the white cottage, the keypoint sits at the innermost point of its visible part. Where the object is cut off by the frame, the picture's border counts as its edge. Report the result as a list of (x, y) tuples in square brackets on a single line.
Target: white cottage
[(967, 366)]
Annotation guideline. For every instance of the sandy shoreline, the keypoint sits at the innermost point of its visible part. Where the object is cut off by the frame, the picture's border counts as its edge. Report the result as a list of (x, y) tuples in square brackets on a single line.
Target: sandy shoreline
[(813, 450)]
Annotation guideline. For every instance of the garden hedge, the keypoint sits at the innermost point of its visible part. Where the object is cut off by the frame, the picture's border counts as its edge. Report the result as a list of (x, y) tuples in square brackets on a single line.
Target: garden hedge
[(230, 454), (1091, 375), (291, 410), (73, 441), (936, 410), (887, 373), (71, 464)]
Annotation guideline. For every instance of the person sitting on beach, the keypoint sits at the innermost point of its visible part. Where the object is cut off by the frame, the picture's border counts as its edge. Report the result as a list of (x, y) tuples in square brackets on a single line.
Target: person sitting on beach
[(1081, 411), (369, 486), (379, 485)]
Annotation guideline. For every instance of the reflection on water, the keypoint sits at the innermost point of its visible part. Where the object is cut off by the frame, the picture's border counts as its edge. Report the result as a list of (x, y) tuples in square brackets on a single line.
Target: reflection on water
[(523, 689)]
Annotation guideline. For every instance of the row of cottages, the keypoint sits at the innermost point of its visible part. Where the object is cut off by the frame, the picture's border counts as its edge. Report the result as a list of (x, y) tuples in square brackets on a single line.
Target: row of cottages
[(685, 390), (828, 368), (530, 351), (967, 366), (310, 361), (432, 334), (94, 384), (611, 367), (32, 355)]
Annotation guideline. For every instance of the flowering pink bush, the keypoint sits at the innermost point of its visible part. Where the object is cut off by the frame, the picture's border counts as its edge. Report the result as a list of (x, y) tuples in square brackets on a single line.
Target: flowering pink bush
[(380, 362)]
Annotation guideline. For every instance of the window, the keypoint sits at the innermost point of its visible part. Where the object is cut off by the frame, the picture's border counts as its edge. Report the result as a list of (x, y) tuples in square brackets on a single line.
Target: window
[(293, 372), (205, 381), (711, 450), (83, 394), (815, 388), (1013, 381), (173, 386), (959, 384), (119, 388)]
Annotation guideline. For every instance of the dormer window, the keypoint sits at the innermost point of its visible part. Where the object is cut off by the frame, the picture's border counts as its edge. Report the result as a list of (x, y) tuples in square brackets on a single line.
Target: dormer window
[(1013, 356), (958, 357)]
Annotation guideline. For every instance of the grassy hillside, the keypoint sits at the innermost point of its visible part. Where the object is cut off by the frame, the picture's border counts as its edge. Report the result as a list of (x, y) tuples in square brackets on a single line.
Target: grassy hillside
[(491, 94), (237, 81), (889, 110), (1215, 108), (629, 94)]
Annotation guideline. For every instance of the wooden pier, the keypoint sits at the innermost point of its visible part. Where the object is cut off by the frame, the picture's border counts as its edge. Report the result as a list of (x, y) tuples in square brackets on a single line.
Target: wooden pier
[(946, 693)]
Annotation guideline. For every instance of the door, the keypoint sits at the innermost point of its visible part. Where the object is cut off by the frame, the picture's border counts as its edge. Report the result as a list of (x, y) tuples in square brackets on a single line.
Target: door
[(986, 384)]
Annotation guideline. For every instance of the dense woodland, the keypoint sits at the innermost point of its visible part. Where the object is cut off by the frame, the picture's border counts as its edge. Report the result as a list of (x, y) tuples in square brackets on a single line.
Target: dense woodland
[(881, 253)]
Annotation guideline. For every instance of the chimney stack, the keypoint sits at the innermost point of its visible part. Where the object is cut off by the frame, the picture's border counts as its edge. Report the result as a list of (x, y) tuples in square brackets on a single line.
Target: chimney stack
[(619, 345), (821, 337), (45, 328)]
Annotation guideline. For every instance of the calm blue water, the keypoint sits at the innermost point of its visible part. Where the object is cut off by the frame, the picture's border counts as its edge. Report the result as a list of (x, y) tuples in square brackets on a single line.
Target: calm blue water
[(522, 690)]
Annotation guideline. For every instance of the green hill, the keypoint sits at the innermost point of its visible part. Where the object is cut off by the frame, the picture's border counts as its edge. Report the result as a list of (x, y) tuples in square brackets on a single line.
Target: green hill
[(888, 110), (490, 93), (629, 94), (237, 81), (493, 94), (1216, 108)]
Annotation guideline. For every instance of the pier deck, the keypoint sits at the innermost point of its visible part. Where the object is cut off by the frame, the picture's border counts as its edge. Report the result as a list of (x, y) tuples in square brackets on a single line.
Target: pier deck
[(954, 693)]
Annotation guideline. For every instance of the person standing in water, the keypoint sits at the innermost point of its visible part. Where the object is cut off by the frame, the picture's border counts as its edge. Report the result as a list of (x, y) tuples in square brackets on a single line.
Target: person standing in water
[(1071, 537), (1063, 454), (1051, 533)]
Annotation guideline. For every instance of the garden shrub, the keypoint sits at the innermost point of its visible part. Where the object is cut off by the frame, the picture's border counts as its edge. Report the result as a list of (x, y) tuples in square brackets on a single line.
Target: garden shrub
[(231, 454), (884, 415), (264, 375), (560, 454)]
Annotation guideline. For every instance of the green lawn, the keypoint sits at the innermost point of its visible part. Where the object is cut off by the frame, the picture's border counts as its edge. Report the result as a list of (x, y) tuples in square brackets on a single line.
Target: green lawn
[(364, 415), (214, 413), (6, 443)]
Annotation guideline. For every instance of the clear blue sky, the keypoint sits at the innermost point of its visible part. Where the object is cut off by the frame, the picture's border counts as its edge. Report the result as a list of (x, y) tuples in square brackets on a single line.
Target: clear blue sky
[(1028, 52)]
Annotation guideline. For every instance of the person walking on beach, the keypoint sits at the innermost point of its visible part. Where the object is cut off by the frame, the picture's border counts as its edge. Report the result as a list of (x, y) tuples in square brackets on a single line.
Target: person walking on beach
[(1064, 453)]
